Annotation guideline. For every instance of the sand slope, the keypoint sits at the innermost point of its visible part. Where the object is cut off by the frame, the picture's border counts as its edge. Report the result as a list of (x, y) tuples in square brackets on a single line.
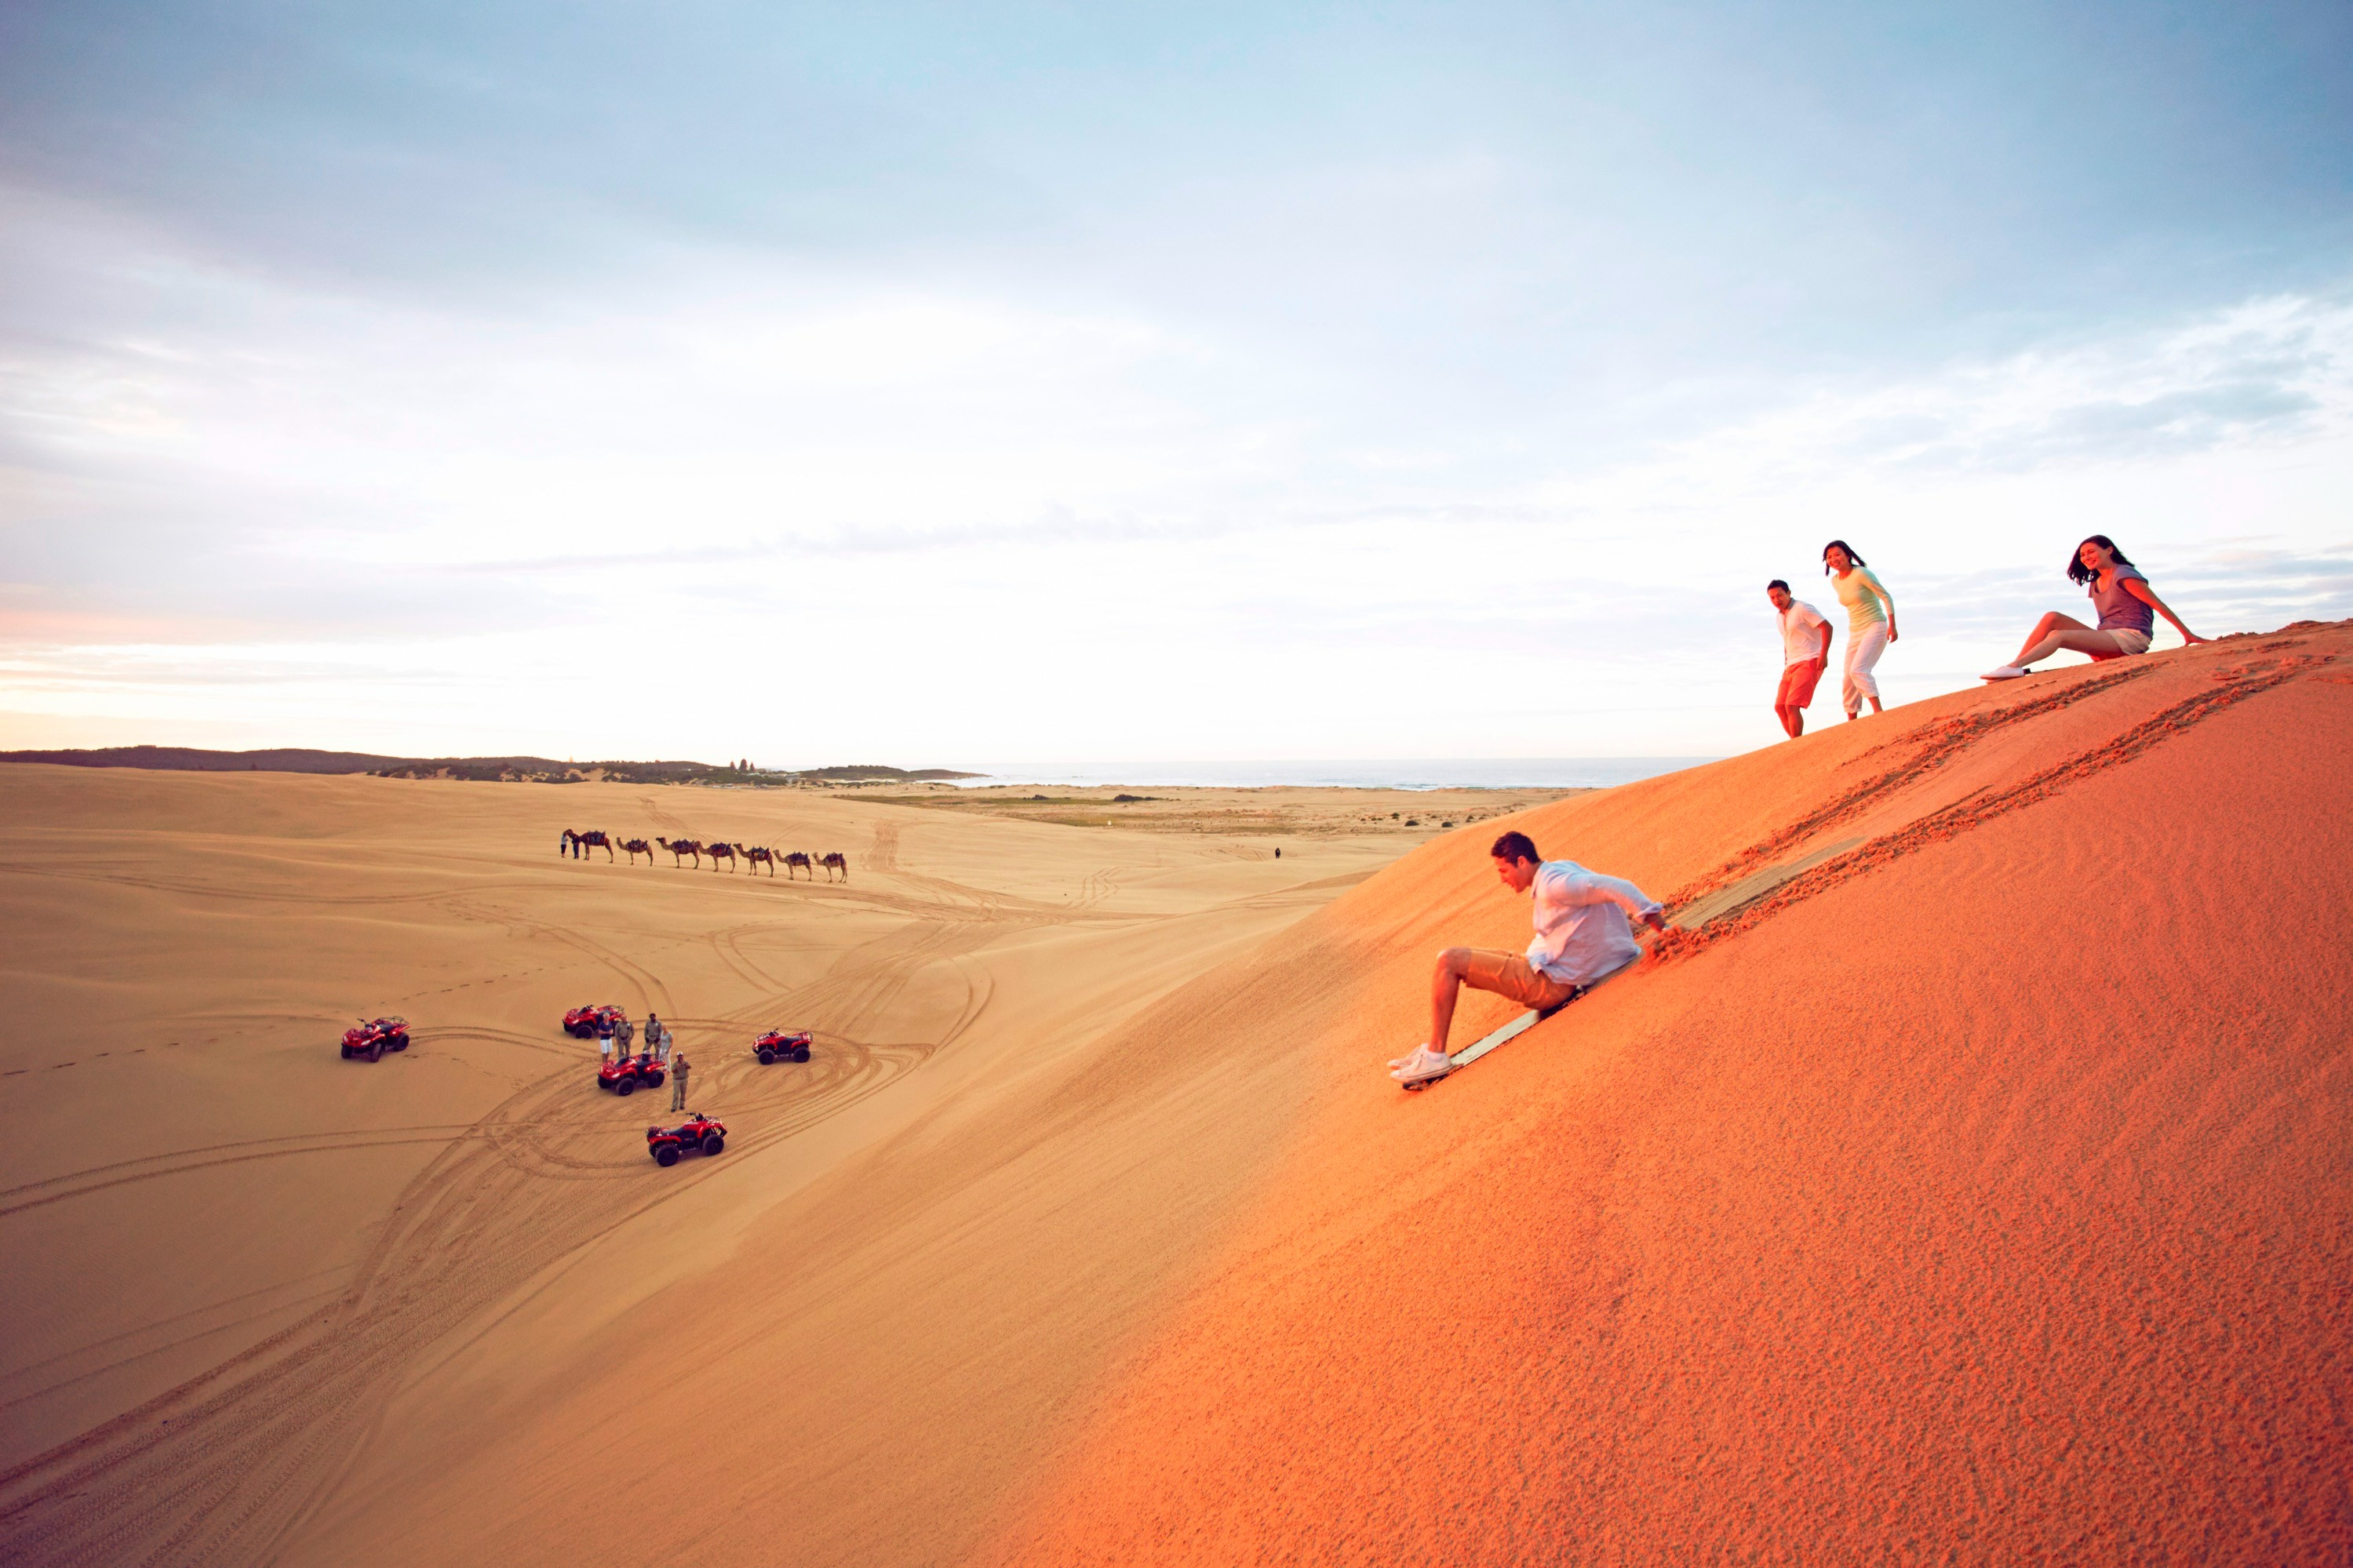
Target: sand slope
[(227, 1248), (2030, 1245), (1967, 1181)]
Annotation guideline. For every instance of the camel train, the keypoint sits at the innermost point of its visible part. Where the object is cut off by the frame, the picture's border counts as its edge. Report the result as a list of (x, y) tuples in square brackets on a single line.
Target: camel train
[(577, 844)]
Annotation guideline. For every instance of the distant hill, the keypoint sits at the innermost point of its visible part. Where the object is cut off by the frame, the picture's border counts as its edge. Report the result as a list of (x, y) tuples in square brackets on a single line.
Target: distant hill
[(870, 773), (537, 769)]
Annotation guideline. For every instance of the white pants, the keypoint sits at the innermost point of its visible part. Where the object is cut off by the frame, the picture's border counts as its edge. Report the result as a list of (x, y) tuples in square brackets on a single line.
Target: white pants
[(1862, 651)]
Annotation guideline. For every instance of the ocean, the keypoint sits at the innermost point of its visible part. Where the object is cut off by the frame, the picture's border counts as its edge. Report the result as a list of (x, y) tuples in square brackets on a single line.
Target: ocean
[(1420, 772)]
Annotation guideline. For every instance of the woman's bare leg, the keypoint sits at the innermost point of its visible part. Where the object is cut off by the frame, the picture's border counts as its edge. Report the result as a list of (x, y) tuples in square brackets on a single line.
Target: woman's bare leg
[(2054, 622), (2079, 640)]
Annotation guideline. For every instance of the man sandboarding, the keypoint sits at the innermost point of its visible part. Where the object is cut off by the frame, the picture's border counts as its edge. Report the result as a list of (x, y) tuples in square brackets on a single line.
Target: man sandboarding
[(1583, 936)]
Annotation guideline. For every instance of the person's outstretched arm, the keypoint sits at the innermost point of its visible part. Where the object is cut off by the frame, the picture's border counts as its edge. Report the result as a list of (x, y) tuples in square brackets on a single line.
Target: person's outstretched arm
[(2140, 589), (1885, 598)]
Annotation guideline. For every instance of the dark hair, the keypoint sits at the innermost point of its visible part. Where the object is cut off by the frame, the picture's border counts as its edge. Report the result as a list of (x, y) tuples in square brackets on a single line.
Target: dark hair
[(1839, 544), (1515, 846), (1777, 582), (2078, 572)]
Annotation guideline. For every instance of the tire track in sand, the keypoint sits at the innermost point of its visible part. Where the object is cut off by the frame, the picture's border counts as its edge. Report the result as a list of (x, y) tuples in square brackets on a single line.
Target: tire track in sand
[(222, 1467)]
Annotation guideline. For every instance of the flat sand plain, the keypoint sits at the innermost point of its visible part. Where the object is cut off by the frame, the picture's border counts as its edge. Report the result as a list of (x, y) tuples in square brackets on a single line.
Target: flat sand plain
[(227, 1246)]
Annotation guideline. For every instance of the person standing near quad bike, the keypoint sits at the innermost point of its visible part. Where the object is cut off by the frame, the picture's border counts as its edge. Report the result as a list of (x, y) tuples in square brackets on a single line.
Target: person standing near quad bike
[(625, 1036), (605, 1034), (677, 1069), (657, 1037)]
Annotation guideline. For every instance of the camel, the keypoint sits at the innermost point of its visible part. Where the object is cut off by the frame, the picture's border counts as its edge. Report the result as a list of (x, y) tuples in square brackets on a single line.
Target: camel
[(800, 860), (682, 847), (833, 862), (581, 843), (758, 854), (633, 847), (719, 852)]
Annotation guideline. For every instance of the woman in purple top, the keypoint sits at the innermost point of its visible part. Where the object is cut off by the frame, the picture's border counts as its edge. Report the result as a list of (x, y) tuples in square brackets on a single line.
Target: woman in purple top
[(2128, 609)]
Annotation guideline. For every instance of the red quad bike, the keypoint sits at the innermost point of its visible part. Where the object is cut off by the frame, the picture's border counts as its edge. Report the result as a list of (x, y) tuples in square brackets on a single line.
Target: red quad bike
[(373, 1038), (582, 1021), (779, 1046), (697, 1131), (626, 1075)]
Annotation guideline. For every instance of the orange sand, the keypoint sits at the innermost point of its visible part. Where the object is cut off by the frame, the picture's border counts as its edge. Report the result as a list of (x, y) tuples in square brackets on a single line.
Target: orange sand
[(2032, 1246), (1967, 1181)]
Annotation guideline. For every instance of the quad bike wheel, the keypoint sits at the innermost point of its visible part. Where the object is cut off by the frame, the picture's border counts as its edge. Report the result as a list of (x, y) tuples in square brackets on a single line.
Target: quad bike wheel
[(347, 1050), (712, 1143), (400, 1041), (628, 1085), (666, 1155), (801, 1055), (375, 1051), (766, 1056)]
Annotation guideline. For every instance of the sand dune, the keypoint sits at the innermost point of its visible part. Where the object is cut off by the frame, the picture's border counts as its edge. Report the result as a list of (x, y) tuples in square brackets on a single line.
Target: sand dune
[(228, 1247), (1966, 1179), (1979, 1193)]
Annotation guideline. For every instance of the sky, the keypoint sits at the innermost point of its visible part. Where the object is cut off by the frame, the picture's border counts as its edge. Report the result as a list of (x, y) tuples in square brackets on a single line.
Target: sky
[(933, 385)]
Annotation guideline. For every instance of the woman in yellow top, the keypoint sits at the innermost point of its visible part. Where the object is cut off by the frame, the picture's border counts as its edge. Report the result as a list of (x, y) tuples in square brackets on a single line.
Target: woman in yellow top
[(1868, 628)]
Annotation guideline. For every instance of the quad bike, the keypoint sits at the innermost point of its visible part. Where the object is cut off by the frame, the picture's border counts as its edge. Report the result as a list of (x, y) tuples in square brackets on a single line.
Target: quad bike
[(626, 1075), (373, 1038), (777, 1046), (582, 1022), (697, 1131)]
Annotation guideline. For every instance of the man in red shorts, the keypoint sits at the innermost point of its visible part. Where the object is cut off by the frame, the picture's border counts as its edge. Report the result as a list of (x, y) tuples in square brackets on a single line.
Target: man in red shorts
[(1805, 654)]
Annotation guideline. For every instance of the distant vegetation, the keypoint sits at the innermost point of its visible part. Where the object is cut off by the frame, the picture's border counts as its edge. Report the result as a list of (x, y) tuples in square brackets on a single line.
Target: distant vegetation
[(510, 770)]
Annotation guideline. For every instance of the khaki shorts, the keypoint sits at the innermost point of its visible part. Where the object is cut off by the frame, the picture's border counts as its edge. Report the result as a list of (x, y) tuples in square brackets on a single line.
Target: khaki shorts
[(1509, 974)]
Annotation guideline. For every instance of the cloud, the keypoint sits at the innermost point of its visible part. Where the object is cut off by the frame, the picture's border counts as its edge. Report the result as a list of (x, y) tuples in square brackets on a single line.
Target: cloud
[(1300, 384)]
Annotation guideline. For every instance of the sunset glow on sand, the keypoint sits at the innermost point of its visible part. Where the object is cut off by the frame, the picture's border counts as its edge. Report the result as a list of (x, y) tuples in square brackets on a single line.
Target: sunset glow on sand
[(1681, 891)]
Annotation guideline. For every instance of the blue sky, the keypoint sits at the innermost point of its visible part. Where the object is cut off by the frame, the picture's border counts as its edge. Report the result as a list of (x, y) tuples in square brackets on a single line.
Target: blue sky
[(927, 384)]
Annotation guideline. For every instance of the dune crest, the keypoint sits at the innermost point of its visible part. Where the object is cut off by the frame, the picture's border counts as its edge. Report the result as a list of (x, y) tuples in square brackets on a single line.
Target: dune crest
[(1972, 1181)]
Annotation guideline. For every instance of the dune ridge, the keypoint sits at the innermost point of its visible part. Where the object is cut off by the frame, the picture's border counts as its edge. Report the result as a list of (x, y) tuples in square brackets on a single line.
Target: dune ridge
[(2032, 1250)]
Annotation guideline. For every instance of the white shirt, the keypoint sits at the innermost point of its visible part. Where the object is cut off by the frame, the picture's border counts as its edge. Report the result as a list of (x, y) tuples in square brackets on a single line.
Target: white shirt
[(1799, 642), (1582, 930)]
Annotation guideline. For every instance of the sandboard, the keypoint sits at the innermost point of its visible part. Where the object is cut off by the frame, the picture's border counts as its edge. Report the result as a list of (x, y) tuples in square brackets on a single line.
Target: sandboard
[(1470, 1053), (1463, 1058)]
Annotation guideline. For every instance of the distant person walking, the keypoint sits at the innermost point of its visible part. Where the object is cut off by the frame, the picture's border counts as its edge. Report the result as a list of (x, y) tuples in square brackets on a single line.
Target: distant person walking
[(1868, 628), (2128, 609), (1805, 654), (678, 1071)]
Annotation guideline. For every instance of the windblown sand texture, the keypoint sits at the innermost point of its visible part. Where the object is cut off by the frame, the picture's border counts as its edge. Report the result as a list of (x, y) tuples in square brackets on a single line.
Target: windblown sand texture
[(1966, 1179)]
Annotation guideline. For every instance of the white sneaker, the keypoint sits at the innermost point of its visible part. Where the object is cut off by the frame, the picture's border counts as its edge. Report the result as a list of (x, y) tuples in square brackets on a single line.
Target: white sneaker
[(2007, 672), (1423, 1066), (1410, 1057)]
